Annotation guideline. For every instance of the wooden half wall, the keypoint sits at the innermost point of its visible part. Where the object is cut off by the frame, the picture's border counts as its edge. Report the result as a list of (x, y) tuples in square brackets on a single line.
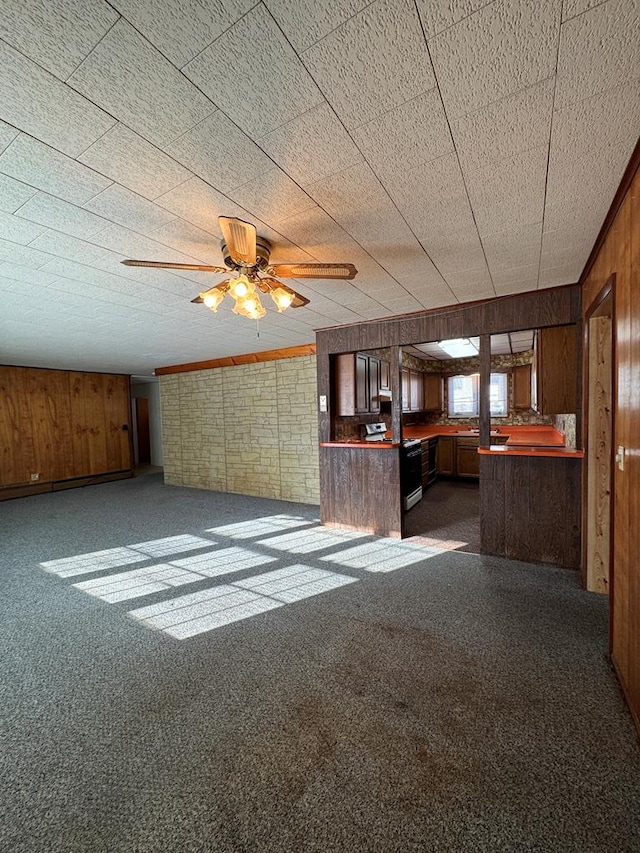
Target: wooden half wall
[(617, 252), (57, 426)]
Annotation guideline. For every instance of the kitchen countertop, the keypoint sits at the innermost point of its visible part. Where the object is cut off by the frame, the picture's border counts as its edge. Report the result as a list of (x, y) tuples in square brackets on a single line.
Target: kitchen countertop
[(522, 440)]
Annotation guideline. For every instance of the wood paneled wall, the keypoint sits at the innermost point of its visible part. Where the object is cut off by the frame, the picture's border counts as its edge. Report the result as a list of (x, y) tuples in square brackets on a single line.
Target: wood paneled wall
[(619, 253), (61, 425)]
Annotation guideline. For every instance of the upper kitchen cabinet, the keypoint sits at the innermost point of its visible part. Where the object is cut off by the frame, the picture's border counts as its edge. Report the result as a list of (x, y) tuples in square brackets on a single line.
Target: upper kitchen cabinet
[(522, 387), (412, 390), (432, 389), (357, 383), (554, 377)]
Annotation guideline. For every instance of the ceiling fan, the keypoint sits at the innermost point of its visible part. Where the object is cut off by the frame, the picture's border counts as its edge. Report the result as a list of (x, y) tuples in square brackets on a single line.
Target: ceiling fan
[(246, 256)]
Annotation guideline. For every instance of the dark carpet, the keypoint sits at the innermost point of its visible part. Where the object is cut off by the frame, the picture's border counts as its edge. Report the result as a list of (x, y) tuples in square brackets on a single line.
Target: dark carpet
[(449, 512), (460, 703)]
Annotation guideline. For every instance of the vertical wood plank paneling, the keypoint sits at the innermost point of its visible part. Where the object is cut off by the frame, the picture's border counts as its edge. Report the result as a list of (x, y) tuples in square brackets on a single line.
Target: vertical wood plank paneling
[(48, 393), (116, 402)]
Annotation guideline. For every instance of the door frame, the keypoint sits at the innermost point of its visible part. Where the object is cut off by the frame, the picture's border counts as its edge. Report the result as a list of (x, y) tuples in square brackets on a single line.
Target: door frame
[(608, 291)]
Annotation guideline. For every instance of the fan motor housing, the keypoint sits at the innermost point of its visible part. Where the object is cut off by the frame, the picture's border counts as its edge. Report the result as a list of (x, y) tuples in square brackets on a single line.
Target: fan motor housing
[(263, 250)]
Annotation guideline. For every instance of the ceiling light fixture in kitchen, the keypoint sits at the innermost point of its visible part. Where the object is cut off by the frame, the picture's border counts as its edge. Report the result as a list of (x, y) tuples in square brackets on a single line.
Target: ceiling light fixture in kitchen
[(458, 348)]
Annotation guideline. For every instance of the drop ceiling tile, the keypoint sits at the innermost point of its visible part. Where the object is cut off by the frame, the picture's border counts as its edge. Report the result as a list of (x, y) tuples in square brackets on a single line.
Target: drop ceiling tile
[(26, 256), (13, 194), (504, 47), (45, 108), (608, 36), (120, 205), (311, 146), (258, 101), (407, 136), (57, 34), (131, 245), (513, 247), (557, 276), (28, 275), (59, 215), (455, 251), (18, 230), (516, 280), (505, 128), (72, 248), (130, 160), (198, 203), (7, 135), (438, 15), (220, 153), (461, 281), (316, 232), (305, 23), (181, 29), (509, 193), (135, 83), (571, 8), (272, 196), (374, 62), (35, 163)]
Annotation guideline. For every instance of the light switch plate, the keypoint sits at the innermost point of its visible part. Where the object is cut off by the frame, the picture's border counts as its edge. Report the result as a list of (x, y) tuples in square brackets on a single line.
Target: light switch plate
[(323, 402), (620, 457)]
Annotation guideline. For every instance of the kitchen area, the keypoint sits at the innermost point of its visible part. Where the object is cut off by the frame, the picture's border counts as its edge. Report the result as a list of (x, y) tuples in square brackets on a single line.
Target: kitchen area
[(428, 437)]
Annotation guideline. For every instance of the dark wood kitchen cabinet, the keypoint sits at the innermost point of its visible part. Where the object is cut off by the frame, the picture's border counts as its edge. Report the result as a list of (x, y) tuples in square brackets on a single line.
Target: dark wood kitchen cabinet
[(432, 389), (445, 455), (467, 457), (429, 461), (555, 370), (412, 390), (522, 387), (385, 375), (357, 384)]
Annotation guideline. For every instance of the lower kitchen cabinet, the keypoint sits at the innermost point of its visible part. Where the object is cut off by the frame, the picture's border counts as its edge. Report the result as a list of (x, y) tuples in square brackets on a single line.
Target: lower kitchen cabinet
[(429, 461), (445, 456), (467, 457)]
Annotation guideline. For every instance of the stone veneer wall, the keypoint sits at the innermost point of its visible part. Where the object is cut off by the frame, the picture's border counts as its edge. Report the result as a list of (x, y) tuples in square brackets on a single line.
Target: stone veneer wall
[(250, 429)]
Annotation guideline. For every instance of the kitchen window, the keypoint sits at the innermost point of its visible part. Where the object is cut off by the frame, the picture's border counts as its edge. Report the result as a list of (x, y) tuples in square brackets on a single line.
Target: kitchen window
[(464, 395)]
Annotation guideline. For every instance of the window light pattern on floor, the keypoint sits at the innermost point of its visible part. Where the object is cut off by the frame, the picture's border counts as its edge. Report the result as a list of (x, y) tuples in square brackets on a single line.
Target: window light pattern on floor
[(382, 556), (307, 541), (202, 611), (261, 526), (98, 561), (139, 582)]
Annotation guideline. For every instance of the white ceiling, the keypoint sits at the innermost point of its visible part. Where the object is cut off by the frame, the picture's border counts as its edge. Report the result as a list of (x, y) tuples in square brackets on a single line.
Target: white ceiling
[(451, 149)]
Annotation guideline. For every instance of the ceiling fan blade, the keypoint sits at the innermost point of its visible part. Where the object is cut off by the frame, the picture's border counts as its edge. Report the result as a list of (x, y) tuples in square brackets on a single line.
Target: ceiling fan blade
[(266, 284), (169, 266), (198, 299), (346, 271), (240, 238)]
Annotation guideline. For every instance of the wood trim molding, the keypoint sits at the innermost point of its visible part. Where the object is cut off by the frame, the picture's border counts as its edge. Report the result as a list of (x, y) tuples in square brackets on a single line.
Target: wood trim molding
[(234, 360), (625, 183)]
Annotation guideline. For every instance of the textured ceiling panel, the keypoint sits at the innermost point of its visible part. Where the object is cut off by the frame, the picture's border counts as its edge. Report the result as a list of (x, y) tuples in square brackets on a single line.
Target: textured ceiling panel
[(513, 247), (438, 15), (13, 194), (455, 251), (71, 248), (45, 108), (130, 79), (133, 162), (43, 167), (504, 47), (24, 255), (571, 8), (407, 136), (373, 62), (28, 275), (120, 205), (311, 146), (189, 239), (272, 196), (608, 35), (57, 34), (132, 245), (7, 135), (509, 193), (220, 153), (180, 29), (306, 21), (505, 127), (18, 230), (61, 216), (257, 101)]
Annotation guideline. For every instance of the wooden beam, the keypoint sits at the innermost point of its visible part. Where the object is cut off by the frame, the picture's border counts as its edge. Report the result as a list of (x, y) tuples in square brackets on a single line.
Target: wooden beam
[(485, 380), (233, 360)]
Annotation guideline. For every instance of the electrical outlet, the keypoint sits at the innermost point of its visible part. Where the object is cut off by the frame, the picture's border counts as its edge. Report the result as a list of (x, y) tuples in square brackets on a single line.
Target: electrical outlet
[(620, 457), (35, 477)]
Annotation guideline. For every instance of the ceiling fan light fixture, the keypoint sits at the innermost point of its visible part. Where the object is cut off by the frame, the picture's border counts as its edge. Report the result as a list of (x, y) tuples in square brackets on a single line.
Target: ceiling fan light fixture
[(250, 306), (282, 296), (241, 286), (212, 298)]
